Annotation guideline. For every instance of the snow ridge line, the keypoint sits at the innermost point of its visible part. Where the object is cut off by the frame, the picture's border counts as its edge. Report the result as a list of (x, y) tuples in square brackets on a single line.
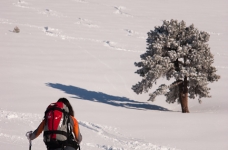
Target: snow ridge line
[(222, 54), (117, 140), (119, 10), (135, 33), (19, 116), (57, 33), (14, 138), (80, 1), (112, 45), (24, 5), (223, 67), (86, 23)]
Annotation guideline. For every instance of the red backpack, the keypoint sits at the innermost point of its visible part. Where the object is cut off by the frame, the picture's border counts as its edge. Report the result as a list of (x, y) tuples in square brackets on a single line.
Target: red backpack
[(57, 125)]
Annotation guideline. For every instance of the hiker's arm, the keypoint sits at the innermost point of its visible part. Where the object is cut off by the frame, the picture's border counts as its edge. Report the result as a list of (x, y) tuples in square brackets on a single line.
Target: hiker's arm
[(76, 130), (37, 132)]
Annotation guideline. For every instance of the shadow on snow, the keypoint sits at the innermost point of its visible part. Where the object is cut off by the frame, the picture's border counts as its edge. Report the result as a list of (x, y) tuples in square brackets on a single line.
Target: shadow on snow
[(83, 94)]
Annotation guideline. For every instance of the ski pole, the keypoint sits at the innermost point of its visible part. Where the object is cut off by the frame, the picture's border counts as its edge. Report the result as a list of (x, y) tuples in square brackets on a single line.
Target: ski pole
[(30, 141), (30, 144)]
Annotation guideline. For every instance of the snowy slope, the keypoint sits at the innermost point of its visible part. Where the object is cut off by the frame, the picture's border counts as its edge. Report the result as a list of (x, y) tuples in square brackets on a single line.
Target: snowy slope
[(85, 50)]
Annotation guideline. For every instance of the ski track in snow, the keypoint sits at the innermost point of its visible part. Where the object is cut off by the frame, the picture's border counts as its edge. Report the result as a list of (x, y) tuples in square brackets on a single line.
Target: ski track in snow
[(47, 12), (106, 133), (122, 142), (52, 32)]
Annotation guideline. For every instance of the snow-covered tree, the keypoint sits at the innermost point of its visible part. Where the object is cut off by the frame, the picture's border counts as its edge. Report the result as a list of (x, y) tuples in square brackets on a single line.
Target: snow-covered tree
[(180, 52)]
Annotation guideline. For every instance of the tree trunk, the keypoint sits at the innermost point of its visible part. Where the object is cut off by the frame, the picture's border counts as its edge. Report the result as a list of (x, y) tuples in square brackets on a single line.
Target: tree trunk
[(183, 95)]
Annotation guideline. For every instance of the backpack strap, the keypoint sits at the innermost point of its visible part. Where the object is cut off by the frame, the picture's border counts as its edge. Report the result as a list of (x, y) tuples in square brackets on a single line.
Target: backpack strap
[(55, 132), (56, 145), (70, 139)]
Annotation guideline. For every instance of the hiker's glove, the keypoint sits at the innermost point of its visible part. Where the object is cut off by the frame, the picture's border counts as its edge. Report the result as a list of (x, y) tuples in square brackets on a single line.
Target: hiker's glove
[(28, 135)]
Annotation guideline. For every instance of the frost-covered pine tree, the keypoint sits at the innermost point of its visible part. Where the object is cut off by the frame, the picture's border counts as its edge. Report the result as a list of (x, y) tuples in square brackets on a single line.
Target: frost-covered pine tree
[(180, 52)]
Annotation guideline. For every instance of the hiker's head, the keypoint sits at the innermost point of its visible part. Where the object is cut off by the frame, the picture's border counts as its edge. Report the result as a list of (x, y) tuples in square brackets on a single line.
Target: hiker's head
[(67, 103)]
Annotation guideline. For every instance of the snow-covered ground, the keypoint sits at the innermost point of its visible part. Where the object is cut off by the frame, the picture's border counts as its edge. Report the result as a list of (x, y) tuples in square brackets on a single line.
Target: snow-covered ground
[(85, 50)]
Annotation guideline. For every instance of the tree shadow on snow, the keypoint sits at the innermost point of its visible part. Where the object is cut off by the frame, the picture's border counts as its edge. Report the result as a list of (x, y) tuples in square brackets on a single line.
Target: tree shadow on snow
[(83, 94)]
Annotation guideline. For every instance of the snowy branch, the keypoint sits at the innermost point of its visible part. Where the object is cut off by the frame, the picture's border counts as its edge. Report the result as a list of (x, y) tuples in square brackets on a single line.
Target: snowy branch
[(162, 90)]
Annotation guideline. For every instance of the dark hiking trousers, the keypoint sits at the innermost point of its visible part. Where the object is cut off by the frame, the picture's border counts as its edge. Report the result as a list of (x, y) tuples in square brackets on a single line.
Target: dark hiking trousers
[(65, 148)]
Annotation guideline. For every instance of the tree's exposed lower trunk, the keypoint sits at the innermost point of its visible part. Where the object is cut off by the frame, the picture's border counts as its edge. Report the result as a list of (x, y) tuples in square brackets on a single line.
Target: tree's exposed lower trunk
[(183, 96)]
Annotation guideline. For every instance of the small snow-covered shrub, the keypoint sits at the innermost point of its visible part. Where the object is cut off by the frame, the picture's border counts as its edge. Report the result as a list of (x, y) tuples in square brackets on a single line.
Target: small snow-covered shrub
[(16, 30)]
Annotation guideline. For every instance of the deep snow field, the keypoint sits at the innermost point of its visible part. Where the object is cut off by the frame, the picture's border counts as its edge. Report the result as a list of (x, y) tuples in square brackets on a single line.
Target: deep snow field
[(85, 50)]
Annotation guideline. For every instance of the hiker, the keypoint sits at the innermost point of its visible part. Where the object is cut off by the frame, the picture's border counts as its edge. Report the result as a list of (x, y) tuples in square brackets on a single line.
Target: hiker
[(61, 129)]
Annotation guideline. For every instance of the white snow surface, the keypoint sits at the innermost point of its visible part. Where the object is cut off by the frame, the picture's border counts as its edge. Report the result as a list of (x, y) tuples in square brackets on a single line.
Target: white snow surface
[(85, 50)]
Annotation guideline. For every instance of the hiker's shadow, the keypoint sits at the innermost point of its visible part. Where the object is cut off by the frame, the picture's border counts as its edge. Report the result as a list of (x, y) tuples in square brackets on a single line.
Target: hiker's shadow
[(83, 94)]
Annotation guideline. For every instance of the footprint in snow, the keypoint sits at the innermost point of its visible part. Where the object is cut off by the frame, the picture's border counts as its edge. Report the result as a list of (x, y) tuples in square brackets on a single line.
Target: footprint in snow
[(86, 22), (22, 2), (120, 10), (109, 44), (80, 1), (132, 33)]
